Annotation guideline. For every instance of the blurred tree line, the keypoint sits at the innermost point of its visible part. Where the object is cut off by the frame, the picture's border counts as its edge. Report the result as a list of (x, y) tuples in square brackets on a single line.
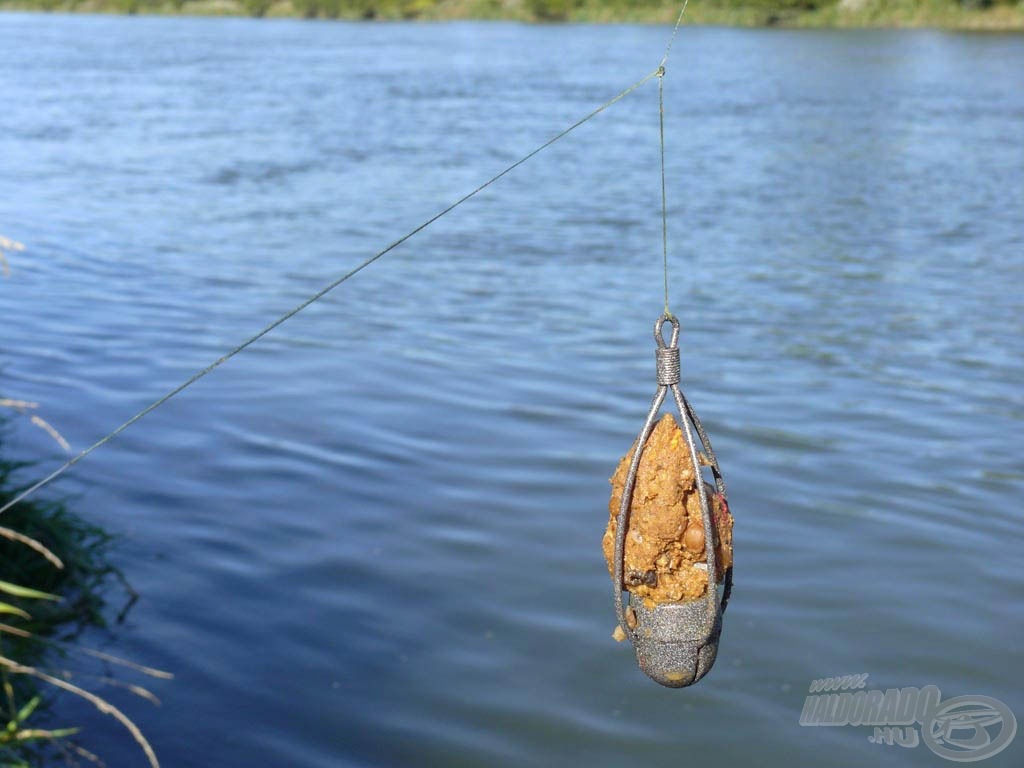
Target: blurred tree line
[(738, 12), (750, 11), (765, 10)]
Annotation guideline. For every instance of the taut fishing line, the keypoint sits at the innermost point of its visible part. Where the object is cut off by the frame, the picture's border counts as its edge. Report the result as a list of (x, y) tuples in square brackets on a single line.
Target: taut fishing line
[(318, 295), (669, 544), (661, 145)]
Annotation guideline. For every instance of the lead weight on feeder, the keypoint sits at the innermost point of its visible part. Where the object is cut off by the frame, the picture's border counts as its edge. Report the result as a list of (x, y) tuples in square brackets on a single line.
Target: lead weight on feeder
[(676, 643)]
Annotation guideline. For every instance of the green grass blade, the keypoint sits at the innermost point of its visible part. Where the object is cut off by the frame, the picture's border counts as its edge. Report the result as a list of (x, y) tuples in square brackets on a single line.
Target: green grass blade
[(27, 592), (26, 712), (13, 609)]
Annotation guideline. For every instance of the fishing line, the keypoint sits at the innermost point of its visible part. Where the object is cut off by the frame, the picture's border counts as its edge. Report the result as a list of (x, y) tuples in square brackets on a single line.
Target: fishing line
[(659, 72), (675, 31), (664, 207), (661, 144)]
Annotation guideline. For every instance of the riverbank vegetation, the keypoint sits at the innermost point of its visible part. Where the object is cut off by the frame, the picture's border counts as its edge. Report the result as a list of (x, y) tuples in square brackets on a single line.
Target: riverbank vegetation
[(992, 15), (55, 581)]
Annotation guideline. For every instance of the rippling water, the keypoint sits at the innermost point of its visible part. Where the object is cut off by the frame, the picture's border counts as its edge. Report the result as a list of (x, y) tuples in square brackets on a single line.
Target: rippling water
[(373, 538)]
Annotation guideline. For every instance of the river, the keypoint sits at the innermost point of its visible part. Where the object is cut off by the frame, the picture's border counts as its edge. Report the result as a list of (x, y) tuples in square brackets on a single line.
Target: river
[(373, 538)]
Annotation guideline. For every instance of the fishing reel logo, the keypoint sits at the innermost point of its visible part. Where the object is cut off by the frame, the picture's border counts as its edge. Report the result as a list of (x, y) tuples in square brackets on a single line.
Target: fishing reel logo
[(963, 729)]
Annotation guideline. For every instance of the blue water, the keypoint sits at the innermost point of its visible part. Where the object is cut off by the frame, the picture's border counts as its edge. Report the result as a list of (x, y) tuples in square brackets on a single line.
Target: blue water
[(374, 537)]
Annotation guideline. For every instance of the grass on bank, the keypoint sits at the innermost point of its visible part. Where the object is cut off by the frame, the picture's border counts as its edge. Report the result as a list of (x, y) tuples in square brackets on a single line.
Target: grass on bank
[(54, 581), (949, 14), (54, 576)]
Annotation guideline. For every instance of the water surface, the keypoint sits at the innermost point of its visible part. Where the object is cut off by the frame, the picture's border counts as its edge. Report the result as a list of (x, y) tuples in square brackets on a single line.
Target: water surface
[(374, 537)]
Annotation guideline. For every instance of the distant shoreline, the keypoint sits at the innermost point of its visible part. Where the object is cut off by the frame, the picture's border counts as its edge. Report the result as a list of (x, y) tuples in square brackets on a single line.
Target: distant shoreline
[(850, 14)]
